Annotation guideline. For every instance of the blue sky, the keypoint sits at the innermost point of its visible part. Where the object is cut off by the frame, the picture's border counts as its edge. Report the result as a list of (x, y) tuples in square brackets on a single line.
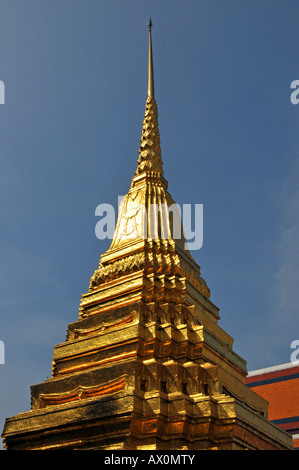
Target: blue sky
[(75, 75)]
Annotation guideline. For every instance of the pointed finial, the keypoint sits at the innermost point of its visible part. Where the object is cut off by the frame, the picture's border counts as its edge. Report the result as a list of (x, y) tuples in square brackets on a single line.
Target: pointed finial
[(151, 91)]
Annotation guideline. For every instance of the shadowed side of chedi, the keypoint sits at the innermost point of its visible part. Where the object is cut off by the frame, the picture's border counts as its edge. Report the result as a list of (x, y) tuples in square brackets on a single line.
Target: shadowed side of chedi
[(146, 365)]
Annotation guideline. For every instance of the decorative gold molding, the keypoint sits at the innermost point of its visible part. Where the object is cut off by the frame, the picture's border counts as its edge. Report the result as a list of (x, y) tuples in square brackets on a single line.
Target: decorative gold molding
[(103, 327), (80, 393)]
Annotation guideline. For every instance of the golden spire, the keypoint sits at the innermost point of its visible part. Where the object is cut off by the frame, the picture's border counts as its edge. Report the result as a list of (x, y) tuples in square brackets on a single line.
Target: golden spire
[(150, 151), (148, 236), (151, 88)]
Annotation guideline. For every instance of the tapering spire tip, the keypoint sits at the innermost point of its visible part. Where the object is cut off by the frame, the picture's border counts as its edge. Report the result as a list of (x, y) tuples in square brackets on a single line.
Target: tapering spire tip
[(151, 92)]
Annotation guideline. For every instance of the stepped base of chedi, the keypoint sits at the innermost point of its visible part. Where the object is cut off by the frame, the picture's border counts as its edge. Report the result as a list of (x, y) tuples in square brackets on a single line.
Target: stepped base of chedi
[(146, 365)]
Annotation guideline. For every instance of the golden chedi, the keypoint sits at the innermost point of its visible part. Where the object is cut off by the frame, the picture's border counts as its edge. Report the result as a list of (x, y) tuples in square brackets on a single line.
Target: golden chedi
[(146, 365)]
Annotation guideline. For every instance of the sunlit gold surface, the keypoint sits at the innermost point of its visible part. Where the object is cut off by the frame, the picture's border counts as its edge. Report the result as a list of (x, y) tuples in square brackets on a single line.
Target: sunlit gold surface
[(146, 365)]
